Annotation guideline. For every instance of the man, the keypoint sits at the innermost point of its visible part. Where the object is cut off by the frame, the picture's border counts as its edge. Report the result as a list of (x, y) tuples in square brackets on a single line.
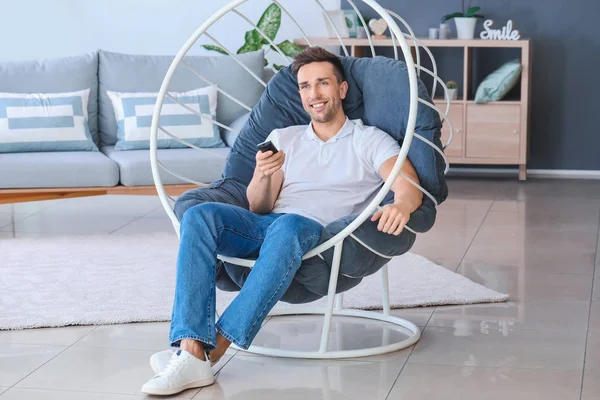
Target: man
[(329, 169)]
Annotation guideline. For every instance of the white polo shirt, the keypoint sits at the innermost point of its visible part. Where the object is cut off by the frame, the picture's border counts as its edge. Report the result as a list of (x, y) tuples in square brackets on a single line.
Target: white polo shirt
[(329, 180)]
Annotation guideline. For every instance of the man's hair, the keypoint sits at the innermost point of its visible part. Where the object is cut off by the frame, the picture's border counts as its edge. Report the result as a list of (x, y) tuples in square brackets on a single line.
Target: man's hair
[(318, 54)]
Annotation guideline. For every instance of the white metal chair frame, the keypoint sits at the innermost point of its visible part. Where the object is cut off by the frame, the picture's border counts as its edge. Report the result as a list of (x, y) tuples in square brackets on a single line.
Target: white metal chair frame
[(337, 241)]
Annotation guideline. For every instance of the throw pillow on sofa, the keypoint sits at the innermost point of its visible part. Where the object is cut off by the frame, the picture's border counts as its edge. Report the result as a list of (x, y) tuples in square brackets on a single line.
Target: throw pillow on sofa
[(133, 112), (55, 75), (497, 84), (142, 73), (45, 122)]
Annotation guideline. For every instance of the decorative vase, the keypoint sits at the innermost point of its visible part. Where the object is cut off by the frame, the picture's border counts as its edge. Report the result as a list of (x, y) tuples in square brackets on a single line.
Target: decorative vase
[(444, 31), (465, 27), (453, 94)]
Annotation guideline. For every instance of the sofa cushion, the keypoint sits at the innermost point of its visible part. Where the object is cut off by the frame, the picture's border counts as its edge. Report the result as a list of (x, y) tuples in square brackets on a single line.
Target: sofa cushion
[(202, 166), (139, 73), (134, 115), (45, 122), (68, 74), (57, 169)]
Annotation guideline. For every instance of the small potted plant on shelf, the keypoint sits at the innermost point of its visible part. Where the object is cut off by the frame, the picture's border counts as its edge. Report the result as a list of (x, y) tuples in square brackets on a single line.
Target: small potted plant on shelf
[(465, 20), (452, 90)]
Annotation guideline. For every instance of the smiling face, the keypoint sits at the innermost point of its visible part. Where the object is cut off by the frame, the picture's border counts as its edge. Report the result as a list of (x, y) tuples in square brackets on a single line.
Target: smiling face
[(321, 91)]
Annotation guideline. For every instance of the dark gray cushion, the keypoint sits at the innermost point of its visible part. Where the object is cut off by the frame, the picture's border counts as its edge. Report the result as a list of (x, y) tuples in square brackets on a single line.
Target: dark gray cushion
[(57, 169), (378, 102), (201, 166)]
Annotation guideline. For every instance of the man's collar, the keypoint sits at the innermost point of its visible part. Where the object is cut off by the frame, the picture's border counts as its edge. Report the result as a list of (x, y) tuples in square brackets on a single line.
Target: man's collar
[(346, 130)]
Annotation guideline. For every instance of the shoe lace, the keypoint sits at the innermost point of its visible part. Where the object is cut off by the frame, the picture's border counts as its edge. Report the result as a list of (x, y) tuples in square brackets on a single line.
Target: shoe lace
[(175, 364)]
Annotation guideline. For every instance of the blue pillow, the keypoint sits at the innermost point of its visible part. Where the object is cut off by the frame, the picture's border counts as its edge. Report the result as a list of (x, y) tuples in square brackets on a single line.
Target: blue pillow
[(497, 84), (134, 111), (45, 122)]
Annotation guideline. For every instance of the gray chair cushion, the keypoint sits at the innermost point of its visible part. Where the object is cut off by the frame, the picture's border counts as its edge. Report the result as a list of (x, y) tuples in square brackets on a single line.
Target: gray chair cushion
[(134, 165), (58, 75), (139, 73), (57, 169)]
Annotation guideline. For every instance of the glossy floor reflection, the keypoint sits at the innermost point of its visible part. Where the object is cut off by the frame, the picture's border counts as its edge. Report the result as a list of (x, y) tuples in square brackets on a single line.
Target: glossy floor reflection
[(537, 241)]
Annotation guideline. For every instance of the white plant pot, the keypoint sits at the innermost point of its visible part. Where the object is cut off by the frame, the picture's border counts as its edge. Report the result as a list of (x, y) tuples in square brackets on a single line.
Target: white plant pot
[(452, 93), (465, 27)]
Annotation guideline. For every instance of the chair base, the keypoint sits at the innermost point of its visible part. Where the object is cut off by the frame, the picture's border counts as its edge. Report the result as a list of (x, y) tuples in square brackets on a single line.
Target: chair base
[(324, 354)]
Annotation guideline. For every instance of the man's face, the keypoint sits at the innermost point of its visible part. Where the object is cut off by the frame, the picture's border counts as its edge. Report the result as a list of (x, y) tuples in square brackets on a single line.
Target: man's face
[(320, 91)]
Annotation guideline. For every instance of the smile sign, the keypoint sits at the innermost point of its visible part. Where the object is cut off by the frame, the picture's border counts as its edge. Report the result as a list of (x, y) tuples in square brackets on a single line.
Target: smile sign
[(506, 33)]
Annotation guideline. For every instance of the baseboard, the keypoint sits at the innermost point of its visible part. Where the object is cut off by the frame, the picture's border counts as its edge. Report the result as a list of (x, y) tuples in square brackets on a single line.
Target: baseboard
[(533, 173)]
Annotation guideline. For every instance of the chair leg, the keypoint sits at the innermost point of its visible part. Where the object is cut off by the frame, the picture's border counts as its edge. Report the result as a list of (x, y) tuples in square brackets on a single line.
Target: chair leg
[(386, 290), (335, 268), (339, 301)]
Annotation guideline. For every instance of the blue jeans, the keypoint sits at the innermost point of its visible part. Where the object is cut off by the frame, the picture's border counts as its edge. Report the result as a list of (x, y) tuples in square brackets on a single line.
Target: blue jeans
[(277, 242)]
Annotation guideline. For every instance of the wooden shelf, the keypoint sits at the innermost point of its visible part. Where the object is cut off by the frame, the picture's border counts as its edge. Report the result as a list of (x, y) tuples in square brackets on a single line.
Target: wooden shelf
[(324, 41), (495, 133), (506, 102)]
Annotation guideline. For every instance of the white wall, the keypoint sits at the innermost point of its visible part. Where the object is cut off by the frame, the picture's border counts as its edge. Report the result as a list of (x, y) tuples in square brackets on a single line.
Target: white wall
[(34, 29)]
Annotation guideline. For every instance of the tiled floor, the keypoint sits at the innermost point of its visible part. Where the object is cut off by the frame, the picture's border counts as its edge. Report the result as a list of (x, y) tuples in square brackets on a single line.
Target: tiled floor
[(537, 241)]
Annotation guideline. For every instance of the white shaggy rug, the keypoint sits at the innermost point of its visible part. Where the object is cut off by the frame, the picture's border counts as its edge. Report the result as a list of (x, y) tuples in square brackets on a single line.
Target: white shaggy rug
[(93, 280)]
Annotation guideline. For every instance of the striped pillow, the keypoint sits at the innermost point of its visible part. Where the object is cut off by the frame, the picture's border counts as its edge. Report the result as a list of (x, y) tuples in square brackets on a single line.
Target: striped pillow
[(134, 111), (45, 122)]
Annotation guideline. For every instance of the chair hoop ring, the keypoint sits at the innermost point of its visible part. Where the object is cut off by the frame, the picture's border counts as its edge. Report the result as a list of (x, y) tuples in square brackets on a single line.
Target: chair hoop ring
[(415, 334)]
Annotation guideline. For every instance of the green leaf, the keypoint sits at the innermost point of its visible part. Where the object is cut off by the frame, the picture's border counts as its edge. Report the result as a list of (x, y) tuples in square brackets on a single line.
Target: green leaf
[(270, 22), (253, 42), (348, 22), (450, 16), (278, 67), (266, 62), (290, 49), (471, 11), (214, 48)]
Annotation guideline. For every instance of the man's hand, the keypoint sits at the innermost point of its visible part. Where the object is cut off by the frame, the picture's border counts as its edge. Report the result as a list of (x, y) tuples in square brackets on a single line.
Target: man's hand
[(268, 163), (393, 217)]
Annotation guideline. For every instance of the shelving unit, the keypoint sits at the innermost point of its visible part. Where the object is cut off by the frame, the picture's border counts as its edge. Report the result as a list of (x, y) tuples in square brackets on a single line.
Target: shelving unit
[(495, 133)]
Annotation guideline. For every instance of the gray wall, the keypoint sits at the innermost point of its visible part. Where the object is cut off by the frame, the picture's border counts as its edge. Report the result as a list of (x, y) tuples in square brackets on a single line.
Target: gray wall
[(565, 102)]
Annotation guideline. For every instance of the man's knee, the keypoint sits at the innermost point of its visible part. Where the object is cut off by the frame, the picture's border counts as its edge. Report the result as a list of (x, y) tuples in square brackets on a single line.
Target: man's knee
[(221, 191), (204, 213), (295, 226)]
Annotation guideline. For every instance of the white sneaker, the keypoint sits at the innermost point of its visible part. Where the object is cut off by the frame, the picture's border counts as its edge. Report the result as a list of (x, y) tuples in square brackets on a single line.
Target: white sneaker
[(184, 371), (160, 360)]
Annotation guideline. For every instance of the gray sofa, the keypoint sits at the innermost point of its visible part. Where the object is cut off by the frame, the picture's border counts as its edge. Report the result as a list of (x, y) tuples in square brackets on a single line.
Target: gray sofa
[(107, 71)]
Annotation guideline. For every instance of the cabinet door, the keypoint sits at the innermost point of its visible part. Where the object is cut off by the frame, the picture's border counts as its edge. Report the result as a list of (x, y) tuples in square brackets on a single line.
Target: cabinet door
[(493, 130), (455, 115)]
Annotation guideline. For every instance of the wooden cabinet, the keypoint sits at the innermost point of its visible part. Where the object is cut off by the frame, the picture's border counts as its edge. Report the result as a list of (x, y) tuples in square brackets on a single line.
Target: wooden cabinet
[(493, 131), (455, 115)]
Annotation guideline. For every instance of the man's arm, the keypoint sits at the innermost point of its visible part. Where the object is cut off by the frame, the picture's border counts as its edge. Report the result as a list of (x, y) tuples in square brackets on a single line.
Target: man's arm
[(407, 198), (266, 182), (403, 189)]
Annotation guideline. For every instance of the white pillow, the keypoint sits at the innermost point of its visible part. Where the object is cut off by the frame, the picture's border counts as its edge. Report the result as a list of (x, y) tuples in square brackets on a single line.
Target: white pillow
[(34, 122), (133, 112)]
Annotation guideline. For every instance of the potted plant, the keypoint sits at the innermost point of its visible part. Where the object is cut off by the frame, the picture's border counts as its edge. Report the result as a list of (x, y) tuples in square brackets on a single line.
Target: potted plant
[(269, 23), (452, 90), (465, 21)]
